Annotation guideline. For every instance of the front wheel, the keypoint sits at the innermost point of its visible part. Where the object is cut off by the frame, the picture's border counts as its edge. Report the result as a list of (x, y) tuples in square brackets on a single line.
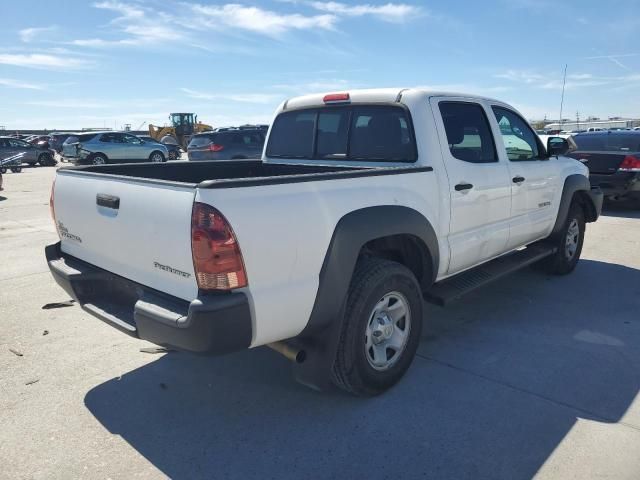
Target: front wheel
[(568, 242), (156, 157), (173, 155), (381, 327)]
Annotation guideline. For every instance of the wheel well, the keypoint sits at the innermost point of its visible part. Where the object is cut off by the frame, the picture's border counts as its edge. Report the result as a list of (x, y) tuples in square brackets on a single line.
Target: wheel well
[(582, 198), (405, 249)]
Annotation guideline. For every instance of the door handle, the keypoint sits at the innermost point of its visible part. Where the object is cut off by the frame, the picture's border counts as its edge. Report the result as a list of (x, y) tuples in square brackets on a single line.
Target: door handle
[(108, 201), (518, 179), (463, 186)]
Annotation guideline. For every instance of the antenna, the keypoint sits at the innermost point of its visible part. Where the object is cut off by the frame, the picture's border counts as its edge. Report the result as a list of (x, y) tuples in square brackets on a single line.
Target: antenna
[(564, 81)]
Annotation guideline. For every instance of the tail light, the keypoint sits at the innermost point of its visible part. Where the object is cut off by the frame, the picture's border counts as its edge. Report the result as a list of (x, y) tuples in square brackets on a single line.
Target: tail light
[(52, 208), (215, 147), (217, 259), (630, 164)]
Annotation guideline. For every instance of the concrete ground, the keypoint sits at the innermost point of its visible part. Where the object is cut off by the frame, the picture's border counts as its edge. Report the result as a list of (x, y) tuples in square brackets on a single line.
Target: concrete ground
[(531, 376)]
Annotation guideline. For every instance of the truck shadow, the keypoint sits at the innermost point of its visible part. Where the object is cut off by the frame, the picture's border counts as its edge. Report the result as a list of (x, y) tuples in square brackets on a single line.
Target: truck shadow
[(621, 209), (500, 381)]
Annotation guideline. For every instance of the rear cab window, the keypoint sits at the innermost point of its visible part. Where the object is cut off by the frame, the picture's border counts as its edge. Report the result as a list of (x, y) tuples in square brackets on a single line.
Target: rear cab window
[(381, 133)]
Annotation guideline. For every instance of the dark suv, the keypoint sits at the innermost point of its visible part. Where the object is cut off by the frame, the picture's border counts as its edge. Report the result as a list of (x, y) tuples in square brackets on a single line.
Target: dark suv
[(227, 144), (613, 159)]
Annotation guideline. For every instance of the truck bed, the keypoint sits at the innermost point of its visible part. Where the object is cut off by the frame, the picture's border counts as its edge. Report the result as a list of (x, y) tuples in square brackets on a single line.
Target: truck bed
[(229, 174)]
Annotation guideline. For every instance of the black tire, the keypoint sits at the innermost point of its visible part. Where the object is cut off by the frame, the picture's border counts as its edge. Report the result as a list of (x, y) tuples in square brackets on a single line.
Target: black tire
[(45, 159), (563, 262), (16, 169), (375, 279), (173, 155), (98, 159), (3, 170), (157, 154)]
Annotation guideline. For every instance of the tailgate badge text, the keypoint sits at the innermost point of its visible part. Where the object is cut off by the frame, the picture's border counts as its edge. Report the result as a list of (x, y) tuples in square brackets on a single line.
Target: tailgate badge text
[(169, 269), (64, 233)]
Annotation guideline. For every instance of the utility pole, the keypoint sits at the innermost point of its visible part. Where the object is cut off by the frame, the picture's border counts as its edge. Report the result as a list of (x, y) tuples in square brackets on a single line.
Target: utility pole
[(578, 119), (564, 81)]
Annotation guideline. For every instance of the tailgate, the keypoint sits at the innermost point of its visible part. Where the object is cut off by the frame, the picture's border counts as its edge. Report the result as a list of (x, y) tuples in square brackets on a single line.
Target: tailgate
[(137, 229)]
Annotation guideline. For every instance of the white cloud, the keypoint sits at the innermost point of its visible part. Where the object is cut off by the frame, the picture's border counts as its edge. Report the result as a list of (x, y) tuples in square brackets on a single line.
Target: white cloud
[(525, 76), (126, 10), (27, 35), (45, 61), (389, 12), (263, 98), (258, 20), (68, 103), (12, 83), (320, 85)]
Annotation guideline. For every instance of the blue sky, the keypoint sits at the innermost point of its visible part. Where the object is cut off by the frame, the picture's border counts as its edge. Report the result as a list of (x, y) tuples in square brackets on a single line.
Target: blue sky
[(79, 64)]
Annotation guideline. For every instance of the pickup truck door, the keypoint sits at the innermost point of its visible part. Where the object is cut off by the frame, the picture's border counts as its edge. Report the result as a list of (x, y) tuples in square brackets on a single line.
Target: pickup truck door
[(534, 188), (479, 182)]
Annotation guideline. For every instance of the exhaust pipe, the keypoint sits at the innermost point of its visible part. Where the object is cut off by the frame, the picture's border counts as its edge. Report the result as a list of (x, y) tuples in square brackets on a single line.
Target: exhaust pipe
[(289, 351)]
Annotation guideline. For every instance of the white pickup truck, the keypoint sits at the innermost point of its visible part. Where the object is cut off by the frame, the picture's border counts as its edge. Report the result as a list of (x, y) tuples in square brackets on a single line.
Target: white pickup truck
[(364, 204)]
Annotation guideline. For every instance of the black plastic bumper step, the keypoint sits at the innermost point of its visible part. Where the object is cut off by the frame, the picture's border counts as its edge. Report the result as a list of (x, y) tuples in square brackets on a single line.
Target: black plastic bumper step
[(455, 287)]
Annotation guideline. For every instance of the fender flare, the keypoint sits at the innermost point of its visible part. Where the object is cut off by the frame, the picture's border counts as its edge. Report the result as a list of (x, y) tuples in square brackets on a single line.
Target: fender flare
[(321, 334), (573, 184)]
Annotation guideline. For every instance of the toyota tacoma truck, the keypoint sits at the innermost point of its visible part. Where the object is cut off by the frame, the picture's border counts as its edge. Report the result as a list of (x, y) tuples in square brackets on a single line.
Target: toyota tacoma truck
[(364, 204)]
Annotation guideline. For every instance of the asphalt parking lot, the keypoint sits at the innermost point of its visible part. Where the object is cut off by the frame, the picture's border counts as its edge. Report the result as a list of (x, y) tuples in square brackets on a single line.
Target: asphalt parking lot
[(533, 375)]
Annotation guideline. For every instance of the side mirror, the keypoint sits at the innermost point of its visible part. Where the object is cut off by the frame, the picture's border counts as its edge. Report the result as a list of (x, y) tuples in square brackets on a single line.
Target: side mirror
[(558, 146)]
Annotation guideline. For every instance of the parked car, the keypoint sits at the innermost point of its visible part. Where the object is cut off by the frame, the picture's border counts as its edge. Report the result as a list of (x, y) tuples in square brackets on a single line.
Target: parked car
[(33, 154), (175, 152), (56, 140), (364, 203), (99, 148), (613, 159), (227, 144)]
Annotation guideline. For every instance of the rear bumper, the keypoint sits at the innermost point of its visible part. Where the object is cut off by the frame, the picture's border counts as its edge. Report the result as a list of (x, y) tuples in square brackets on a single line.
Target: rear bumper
[(211, 324), (617, 184)]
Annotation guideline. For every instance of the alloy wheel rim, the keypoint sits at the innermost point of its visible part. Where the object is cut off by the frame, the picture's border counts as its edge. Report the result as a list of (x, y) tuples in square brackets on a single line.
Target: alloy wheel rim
[(572, 239), (387, 331), (98, 161), (156, 157)]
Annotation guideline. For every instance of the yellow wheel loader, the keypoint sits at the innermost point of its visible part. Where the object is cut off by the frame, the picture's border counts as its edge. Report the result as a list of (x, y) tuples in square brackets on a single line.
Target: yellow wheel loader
[(183, 126)]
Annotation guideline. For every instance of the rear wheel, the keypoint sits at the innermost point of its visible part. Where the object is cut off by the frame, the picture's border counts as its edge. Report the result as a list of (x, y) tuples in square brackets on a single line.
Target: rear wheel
[(568, 243), (45, 159), (381, 328), (156, 157), (15, 170), (99, 159)]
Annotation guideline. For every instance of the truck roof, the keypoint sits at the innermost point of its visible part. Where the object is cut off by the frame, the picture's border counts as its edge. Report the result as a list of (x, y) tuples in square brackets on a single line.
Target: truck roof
[(373, 95)]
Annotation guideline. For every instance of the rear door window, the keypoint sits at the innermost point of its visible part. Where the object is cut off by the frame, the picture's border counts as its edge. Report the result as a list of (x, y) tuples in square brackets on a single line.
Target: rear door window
[(354, 132), (468, 133)]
